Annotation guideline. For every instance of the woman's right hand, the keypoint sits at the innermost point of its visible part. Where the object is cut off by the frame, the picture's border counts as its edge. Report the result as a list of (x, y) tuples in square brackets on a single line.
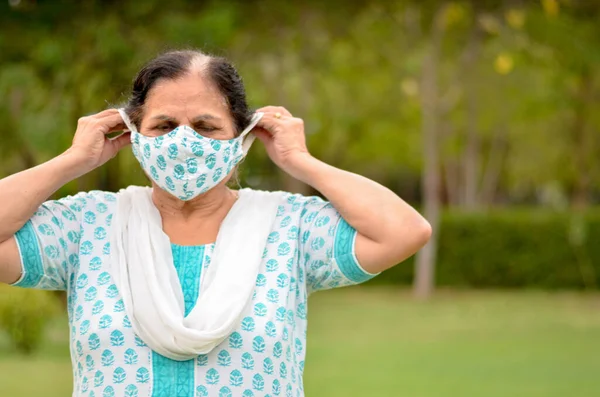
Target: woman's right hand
[(24, 192), (90, 143)]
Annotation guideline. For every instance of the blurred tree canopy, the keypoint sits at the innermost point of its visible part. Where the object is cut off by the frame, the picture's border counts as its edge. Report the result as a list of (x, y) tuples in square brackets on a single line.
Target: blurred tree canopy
[(517, 86)]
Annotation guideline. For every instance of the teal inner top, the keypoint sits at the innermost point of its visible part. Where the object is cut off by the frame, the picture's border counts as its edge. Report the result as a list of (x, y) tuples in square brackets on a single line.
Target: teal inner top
[(176, 378)]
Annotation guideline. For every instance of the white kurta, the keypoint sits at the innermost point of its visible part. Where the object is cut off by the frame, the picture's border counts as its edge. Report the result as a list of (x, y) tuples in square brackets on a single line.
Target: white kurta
[(65, 246)]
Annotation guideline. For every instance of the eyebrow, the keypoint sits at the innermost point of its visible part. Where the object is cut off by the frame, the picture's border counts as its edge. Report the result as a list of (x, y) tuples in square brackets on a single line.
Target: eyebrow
[(202, 117)]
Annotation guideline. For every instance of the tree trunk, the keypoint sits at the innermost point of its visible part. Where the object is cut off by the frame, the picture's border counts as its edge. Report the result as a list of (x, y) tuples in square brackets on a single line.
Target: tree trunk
[(581, 142), (495, 163), (426, 258), (451, 182), (472, 146), (451, 172)]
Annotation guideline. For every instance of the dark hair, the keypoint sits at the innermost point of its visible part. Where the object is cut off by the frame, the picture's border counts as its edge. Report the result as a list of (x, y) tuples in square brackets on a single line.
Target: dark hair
[(174, 64)]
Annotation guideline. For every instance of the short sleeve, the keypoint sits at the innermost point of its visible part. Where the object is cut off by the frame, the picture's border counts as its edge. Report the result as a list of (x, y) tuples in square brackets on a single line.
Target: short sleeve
[(327, 247), (49, 243)]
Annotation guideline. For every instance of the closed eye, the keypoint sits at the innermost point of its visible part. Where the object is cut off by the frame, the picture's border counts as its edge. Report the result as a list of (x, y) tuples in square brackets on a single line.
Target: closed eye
[(206, 128), (202, 128), (165, 127)]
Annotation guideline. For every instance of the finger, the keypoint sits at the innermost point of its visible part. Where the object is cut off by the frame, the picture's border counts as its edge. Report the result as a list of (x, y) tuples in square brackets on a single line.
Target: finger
[(261, 131), (122, 141), (275, 109), (108, 120), (275, 117), (113, 123), (105, 113), (263, 135), (120, 127), (270, 123), (279, 121), (280, 112)]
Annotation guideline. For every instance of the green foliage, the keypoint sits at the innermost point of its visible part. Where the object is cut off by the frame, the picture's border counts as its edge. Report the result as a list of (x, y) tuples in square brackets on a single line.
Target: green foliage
[(512, 249), (350, 69), (24, 315)]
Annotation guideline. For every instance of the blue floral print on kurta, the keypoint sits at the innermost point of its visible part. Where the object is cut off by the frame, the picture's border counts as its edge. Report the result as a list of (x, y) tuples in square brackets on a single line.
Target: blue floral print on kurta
[(66, 246)]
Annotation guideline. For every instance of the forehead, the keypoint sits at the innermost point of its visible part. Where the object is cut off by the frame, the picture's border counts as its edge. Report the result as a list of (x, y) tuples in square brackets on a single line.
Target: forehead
[(185, 98)]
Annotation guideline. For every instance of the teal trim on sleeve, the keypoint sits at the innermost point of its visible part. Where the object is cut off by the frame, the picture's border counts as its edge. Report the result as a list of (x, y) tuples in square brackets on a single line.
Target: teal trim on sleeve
[(176, 378), (343, 251), (31, 257)]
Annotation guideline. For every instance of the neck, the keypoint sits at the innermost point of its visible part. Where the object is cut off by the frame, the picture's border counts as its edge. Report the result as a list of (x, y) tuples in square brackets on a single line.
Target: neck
[(207, 205)]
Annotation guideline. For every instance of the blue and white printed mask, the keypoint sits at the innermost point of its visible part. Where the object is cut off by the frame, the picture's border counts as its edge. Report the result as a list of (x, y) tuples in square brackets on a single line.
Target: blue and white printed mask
[(186, 164)]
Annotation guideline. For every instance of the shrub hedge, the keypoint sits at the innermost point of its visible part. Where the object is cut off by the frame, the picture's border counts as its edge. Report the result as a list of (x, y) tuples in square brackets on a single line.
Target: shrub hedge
[(513, 249)]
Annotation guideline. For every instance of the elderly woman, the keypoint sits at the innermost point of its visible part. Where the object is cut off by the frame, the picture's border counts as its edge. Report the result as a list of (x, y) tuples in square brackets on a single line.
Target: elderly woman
[(189, 288)]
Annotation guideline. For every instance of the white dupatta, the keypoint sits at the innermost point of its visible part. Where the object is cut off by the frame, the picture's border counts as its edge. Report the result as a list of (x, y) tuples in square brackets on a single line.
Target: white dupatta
[(142, 266)]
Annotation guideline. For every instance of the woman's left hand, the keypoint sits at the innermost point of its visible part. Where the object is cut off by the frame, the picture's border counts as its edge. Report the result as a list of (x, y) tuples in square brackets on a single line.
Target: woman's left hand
[(389, 230), (283, 137)]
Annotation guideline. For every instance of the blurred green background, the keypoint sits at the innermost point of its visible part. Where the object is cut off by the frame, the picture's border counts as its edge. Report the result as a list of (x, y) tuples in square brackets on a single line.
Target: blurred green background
[(483, 114)]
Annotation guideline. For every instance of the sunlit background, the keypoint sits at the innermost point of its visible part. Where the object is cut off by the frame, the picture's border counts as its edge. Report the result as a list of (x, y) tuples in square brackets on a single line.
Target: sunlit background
[(483, 114)]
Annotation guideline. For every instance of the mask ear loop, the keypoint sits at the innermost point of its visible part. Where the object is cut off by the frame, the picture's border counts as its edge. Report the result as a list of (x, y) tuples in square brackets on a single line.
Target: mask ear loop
[(247, 138), (127, 121)]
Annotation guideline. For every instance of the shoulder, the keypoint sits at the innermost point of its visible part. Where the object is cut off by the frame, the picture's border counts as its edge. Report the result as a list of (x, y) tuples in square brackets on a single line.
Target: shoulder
[(93, 200), (84, 197), (295, 202), (87, 204), (102, 199), (297, 205)]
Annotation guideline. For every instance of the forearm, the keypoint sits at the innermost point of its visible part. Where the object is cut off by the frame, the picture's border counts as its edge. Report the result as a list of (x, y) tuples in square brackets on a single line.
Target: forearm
[(392, 228), (22, 193)]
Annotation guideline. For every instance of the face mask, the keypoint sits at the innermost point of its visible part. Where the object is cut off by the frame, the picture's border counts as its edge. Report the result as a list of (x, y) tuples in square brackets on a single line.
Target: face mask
[(186, 164)]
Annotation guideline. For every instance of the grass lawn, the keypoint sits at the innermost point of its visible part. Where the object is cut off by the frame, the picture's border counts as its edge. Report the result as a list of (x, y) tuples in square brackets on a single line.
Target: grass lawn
[(377, 342)]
